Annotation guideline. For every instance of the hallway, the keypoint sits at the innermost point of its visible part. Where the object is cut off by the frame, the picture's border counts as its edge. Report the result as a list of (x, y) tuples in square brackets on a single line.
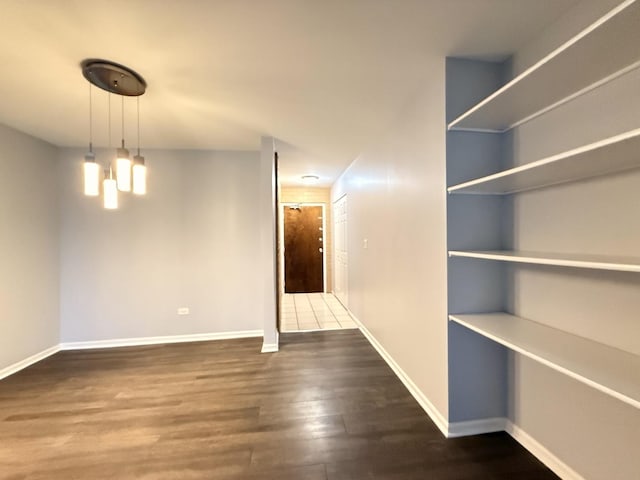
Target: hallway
[(313, 311)]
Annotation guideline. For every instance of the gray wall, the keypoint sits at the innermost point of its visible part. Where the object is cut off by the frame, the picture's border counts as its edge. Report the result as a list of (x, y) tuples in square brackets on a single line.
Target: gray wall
[(29, 320), (193, 241), (396, 198)]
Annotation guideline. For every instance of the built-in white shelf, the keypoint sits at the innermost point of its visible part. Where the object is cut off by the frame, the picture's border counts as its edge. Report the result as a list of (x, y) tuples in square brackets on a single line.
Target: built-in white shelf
[(614, 154), (598, 262), (603, 51), (610, 370)]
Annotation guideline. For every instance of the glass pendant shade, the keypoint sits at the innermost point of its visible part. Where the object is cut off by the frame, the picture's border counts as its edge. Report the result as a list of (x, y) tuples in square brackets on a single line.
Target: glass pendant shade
[(139, 175), (91, 175), (123, 173), (110, 193), (123, 170)]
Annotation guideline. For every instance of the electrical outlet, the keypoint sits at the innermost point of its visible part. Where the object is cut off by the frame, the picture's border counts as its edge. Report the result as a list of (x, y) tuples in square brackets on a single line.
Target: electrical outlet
[(183, 311)]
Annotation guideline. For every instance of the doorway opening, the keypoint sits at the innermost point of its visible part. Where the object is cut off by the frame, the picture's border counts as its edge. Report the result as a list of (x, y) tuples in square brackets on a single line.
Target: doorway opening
[(306, 302)]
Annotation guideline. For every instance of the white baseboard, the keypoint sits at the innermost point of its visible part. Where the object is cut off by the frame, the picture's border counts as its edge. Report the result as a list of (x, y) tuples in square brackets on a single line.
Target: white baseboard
[(132, 342), (477, 427), (422, 400), (127, 342), (539, 451), (271, 347), (473, 427), (16, 367)]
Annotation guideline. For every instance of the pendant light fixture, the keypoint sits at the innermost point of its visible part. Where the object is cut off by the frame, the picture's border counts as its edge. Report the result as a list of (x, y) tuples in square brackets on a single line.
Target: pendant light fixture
[(110, 190), (91, 168), (121, 80), (109, 184), (139, 169), (123, 162)]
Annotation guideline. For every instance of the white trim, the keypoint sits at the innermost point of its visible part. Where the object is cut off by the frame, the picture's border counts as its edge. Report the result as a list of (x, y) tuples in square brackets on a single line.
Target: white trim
[(472, 427), (131, 342), (420, 397), (128, 342), (272, 347), (280, 253), (474, 130), (22, 364), (558, 467), (334, 252), (325, 242), (269, 348), (477, 427), (498, 424)]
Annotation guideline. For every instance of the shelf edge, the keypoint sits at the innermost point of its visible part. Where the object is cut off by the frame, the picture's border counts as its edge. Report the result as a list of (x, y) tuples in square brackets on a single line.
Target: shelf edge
[(575, 152), (598, 386), (506, 257), (544, 60)]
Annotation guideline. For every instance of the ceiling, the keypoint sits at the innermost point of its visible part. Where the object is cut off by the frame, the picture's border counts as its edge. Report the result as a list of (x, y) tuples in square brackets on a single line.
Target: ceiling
[(324, 77)]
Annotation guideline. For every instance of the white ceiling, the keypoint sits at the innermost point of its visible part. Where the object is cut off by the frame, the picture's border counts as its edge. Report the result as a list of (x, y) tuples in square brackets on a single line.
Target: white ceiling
[(322, 76)]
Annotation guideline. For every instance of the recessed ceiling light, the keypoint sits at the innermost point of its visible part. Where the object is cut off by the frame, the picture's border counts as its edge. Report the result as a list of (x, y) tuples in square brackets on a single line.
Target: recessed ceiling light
[(310, 179)]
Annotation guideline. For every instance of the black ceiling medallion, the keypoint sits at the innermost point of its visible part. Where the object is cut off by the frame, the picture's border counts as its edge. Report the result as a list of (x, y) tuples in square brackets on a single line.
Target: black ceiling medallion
[(113, 77)]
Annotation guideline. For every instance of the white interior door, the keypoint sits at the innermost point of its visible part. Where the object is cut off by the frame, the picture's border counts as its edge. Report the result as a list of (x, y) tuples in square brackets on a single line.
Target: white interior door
[(340, 259)]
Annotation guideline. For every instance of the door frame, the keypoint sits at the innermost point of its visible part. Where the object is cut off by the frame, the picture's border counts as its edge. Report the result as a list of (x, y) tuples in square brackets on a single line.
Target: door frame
[(344, 301), (281, 241)]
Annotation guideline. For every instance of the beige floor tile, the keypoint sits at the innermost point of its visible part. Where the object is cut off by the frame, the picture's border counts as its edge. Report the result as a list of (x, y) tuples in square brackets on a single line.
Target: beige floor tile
[(313, 311), (330, 326), (346, 324)]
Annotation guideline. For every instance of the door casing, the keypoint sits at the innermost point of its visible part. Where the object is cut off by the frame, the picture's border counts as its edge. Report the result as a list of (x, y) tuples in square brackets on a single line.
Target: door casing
[(340, 271)]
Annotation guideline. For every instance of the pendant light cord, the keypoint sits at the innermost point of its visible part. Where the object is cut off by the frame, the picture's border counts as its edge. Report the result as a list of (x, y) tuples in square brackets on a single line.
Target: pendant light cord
[(109, 129), (110, 168), (122, 111), (138, 111), (90, 121)]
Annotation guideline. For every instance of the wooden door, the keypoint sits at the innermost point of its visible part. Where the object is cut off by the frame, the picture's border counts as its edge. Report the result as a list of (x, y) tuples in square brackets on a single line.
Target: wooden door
[(303, 244)]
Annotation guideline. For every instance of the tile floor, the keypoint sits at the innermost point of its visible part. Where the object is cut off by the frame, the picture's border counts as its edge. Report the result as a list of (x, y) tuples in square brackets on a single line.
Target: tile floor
[(313, 311)]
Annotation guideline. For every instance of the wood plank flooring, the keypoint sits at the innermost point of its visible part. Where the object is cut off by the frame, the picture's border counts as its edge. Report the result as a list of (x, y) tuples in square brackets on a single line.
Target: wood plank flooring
[(326, 407)]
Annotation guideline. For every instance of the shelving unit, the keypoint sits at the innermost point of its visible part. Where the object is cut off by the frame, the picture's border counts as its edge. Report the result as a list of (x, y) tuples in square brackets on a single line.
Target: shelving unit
[(614, 154), (597, 262), (479, 226), (600, 53), (612, 371)]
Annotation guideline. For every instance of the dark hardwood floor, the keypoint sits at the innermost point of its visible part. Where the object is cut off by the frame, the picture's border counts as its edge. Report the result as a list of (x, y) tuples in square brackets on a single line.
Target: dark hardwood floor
[(326, 407)]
